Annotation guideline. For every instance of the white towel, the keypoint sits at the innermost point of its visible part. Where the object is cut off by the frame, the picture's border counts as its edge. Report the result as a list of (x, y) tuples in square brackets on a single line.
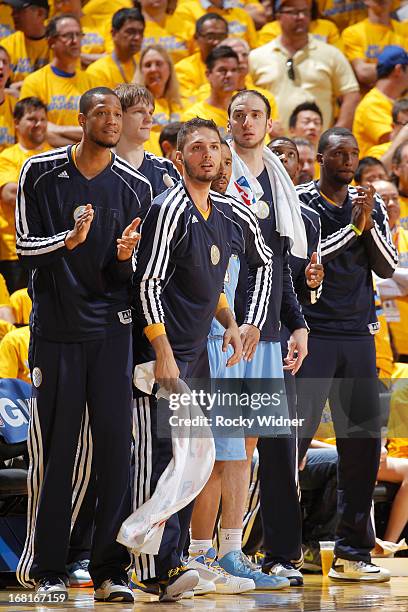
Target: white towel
[(244, 186), (182, 480)]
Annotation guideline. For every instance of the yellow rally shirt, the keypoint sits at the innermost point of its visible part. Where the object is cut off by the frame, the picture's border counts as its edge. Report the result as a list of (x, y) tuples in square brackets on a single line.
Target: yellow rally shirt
[(342, 12), (7, 131), (399, 307), (26, 55), (372, 120), (178, 41), (21, 303), (207, 111), (14, 354), (6, 21), (366, 40), (403, 200), (378, 151), (11, 160), (61, 94), (190, 73), (109, 72)]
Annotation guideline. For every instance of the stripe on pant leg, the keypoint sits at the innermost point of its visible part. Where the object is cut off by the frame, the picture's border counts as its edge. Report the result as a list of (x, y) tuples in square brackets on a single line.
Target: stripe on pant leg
[(82, 467), (253, 504), (145, 566), (35, 479)]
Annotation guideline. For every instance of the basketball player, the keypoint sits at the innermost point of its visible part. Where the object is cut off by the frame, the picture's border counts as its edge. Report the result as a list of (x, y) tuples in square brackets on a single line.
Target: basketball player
[(76, 219)]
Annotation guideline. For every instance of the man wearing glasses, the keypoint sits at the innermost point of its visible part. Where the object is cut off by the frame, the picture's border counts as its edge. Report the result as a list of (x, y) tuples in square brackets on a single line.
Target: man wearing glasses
[(296, 67), (60, 84)]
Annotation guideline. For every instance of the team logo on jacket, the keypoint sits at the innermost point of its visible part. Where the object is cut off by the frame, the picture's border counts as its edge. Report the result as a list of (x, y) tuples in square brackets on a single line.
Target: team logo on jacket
[(125, 316), (215, 254), (78, 212), (373, 328), (36, 377), (261, 209)]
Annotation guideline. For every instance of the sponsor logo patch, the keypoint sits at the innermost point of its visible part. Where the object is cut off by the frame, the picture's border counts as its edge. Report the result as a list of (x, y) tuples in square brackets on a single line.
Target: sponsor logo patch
[(125, 316), (37, 377), (373, 328)]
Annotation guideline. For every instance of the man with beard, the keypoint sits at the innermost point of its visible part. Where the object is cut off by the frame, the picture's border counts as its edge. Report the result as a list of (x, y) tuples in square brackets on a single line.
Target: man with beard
[(80, 353), (260, 180), (187, 239), (356, 241)]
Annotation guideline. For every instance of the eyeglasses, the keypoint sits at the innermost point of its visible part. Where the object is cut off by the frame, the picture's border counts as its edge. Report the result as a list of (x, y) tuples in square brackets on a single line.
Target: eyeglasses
[(296, 12), (291, 68), (213, 36), (70, 36)]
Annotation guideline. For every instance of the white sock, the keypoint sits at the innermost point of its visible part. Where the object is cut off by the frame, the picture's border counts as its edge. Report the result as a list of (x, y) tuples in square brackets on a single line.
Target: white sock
[(230, 539), (198, 547)]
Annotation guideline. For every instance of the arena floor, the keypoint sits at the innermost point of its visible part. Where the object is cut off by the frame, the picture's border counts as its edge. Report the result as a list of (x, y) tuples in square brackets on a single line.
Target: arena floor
[(317, 594)]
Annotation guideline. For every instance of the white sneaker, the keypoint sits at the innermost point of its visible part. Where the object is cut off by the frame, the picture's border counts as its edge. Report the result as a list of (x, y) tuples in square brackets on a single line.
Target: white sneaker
[(225, 583), (204, 587), (54, 588), (284, 570), (342, 569), (113, 589)]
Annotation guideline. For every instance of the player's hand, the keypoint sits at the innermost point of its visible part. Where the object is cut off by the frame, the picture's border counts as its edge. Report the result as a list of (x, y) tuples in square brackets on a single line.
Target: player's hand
[(297, 351), (249, 337), (232, 337), (365, 200), (128, 241), (166, 371), (314, 272), (358, 217), (81, 228)]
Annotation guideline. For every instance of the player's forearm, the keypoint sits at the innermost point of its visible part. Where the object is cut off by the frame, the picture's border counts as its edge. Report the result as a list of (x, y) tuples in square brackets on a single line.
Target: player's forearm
[(225, 318), (60, 135), (366, 73)]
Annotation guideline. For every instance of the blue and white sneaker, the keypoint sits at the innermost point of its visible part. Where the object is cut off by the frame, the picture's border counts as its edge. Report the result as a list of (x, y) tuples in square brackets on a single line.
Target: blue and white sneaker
[(224, 583), (237, 564)]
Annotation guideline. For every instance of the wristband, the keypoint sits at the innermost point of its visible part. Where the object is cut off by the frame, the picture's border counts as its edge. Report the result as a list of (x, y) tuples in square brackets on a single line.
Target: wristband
[(356, 230)]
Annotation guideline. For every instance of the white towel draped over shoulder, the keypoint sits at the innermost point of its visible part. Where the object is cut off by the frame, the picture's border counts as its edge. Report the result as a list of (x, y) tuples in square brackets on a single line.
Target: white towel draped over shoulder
[(245, 187)]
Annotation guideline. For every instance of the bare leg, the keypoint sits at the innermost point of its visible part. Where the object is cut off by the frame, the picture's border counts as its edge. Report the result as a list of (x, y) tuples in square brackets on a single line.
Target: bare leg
[(234, 488), (396, 470), (207, 504)]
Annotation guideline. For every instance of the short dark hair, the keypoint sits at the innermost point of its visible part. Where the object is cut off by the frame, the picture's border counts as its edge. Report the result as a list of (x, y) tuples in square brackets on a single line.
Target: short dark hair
[(26, 104), (86, 100), (208, 17), (190, 126), (126, 14), (130, 94), (334, 131), (283, 139), (51, 29), (305, 106), (221, 52), (396, 160), (169, 133), (399, 106), (366, 162), (245, 92)]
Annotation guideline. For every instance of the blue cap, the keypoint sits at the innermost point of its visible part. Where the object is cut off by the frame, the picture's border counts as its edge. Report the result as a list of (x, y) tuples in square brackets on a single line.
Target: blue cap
[(389, 57)]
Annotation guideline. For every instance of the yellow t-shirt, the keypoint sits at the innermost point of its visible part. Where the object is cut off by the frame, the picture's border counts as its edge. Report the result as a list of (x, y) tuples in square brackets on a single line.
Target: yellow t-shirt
[(7, 130), (6, 21), (22, 305), (14, 354), (403, 200), (384, 356), (60, 94), (378, 151), (110, 73), (5, 327), (207, 111), (100, 10), (399, 329), (322, 29), (398, 421), (178, 41), (372, 119), (190, 73), (342, 12), (4, 294), (366, 40), (26, 55), (11, 160), (240, 24), (164, 113), (94, 39)]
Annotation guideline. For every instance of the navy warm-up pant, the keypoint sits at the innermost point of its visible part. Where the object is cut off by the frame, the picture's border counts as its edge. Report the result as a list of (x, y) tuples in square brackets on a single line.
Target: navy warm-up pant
[(153, 452), (279, 495), (344, 369), (72, 382)]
